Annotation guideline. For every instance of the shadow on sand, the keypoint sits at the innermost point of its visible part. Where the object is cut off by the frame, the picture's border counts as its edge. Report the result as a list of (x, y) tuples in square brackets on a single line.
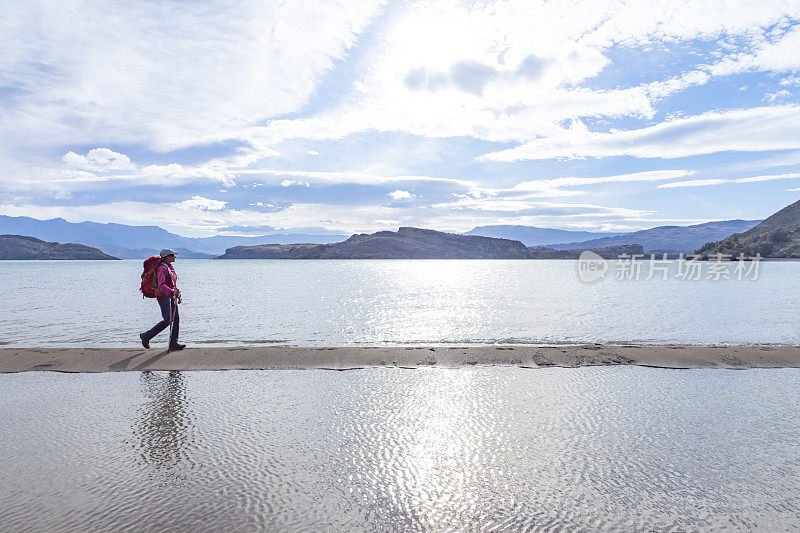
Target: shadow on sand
[(124, 364)]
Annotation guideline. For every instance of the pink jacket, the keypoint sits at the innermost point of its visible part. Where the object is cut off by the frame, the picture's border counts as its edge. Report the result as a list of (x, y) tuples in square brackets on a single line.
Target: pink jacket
[(166, 283)]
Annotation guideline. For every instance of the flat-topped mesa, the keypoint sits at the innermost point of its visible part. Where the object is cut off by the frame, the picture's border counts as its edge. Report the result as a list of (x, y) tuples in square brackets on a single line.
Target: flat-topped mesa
[(418, 243), (405, 243)]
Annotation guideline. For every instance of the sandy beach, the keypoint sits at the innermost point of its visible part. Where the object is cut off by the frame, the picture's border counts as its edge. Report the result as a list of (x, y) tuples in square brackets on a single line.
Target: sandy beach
[(346, 358)]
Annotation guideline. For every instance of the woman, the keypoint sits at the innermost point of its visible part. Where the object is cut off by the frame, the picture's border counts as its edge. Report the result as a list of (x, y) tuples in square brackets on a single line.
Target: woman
[(171, 297)]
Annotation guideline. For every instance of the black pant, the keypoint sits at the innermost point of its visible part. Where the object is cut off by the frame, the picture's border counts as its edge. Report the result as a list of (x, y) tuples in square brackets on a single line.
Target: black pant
[(168, 306)]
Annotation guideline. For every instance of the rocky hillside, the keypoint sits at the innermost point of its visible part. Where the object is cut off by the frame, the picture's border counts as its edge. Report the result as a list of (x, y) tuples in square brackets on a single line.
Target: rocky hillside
[(415, 243), (611, 252), (669, 238), (778, 236), (406, 243), (269, 251), (22, 247)]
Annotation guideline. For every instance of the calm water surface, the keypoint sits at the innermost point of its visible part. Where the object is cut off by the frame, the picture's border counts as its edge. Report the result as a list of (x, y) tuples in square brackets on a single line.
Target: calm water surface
[(97, 303), (479, 448)]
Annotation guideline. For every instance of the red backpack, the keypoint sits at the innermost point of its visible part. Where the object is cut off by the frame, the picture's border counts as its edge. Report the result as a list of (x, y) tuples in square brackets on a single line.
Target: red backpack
[(149, 286)]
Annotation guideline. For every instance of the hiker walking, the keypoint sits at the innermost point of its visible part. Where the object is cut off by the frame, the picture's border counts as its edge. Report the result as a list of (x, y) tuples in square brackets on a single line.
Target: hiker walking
[(158, 281)]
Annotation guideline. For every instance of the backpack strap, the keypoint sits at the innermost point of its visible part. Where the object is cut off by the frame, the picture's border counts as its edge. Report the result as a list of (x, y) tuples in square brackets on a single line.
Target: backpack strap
[(155, 273), (169, 273)]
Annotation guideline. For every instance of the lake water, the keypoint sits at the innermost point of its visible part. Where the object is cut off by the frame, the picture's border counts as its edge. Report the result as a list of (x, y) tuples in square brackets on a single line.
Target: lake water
[(312, 303), (473, 448)]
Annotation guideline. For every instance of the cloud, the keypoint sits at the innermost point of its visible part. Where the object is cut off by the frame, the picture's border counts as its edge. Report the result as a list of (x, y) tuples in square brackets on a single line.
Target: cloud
[(210, 74), (449, 69), (400, 195), (769, 177), (291, 183), (720, 181), (755, 129), (264, 205), (117, 169), (555, 187), (466, 73), (483, 72), (101, 159), (347, 177), (505, 112), (84, 76), (779, 55), (777, 95), (776, 54), (694, 183), (202, 203), (472, 76), (528, 207), (524, 198), (789, 81), (257, 230), (61, 195), (649, 175)]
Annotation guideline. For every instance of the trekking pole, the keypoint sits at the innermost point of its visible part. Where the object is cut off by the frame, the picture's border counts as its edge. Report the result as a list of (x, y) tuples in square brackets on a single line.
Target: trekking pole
[(172, 318)]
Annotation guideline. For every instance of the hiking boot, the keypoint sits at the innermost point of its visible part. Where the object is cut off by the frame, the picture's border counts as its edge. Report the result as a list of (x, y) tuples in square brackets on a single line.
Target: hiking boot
[(176, 347), (145, 341)]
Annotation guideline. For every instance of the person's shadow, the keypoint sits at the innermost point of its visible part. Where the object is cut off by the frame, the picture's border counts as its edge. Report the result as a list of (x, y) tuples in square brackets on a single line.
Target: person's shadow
[(123, 364), (164, 425)]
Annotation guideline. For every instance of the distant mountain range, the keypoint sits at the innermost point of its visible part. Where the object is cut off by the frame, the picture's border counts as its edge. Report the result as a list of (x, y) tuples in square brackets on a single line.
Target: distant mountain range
[(23, 247), (414, 243), (669, 238), (533, 236), (135, 242), (184, 253), (778, 236)]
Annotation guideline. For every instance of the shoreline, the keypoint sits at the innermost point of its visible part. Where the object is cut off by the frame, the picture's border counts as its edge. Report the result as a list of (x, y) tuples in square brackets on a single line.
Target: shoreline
[(93, 360)]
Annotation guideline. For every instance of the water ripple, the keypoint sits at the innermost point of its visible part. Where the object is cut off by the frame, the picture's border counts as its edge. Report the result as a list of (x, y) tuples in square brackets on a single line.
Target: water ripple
[(466, 449)]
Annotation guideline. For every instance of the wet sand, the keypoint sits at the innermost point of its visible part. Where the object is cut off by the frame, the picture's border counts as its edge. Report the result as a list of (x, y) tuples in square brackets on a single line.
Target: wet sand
[(346, 358)]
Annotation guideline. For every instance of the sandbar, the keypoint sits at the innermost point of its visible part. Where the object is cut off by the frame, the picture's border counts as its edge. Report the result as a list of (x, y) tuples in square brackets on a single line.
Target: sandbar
[(354, 357)]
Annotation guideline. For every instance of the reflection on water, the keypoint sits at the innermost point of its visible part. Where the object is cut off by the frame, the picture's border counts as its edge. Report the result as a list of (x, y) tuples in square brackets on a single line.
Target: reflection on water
[(164, 427), (436, 437), (432, 449)]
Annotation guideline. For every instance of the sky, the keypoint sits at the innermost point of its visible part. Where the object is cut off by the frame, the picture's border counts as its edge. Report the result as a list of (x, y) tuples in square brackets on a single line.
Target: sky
[(248, 118)]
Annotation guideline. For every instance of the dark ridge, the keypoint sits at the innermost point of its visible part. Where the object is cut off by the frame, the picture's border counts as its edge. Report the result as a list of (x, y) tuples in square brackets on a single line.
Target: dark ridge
[(25, 247)]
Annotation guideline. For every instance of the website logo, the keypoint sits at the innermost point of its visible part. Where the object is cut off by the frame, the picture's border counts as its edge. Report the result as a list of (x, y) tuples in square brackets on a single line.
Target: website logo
[(591, 267)]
